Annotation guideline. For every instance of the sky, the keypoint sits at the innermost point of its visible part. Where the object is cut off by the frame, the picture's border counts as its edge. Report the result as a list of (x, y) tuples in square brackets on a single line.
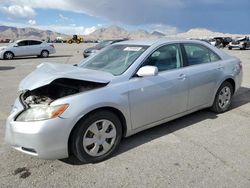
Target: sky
[(167, 16)]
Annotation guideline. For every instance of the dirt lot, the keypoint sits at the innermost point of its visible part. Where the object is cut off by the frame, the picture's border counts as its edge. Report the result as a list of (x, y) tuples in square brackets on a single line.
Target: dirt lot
[(200, 150)]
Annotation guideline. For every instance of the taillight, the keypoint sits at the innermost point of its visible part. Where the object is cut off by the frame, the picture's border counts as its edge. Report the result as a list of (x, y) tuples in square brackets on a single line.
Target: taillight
[(52, 45)]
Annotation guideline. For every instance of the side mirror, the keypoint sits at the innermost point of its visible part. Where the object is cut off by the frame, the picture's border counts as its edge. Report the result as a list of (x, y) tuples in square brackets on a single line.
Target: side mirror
[(15, 45), (147, 71)]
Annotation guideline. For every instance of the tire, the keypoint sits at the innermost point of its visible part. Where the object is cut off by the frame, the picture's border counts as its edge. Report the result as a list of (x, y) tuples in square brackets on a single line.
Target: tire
[(230, 48), (223, 98), (8, 55), (93, 133), (44, 54)]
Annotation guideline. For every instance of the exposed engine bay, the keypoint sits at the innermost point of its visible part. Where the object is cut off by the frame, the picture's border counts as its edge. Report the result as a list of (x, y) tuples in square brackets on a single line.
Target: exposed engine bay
[(57, 89)]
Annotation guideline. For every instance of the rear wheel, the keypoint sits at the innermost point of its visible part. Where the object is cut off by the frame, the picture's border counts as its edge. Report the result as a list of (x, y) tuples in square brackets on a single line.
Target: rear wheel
[(44, 54), (96, 137), (223, 98), (8, 55), (230, 48)]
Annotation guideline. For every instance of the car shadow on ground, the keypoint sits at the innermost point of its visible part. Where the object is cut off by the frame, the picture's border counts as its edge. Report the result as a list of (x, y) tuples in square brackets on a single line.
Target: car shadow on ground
[(34, 57), (4, 68), (241, 98)]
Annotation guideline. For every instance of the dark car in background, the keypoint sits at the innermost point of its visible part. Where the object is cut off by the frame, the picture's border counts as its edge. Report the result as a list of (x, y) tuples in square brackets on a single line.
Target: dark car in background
[(241, 43), (90, 51), (222, 42)]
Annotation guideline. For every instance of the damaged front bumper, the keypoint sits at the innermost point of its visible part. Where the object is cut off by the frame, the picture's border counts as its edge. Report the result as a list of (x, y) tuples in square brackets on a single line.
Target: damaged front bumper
[(47, 139)]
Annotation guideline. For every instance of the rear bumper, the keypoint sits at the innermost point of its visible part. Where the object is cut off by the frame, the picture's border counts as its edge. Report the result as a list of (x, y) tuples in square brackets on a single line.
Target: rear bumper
[(52, 51), (238, 80)]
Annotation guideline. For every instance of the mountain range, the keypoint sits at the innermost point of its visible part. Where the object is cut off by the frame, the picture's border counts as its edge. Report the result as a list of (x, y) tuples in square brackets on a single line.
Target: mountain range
[(118, 32), (112, 32), (7, 32)]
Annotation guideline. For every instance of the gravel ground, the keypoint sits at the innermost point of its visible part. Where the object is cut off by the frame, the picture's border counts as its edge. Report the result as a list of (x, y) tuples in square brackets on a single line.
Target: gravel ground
[(199, 150)]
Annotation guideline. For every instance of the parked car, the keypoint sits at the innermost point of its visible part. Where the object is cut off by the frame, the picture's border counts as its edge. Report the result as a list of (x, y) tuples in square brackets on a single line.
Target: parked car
[(90, 51), (128, 87), (222, 42), (27, 48), (212, 41), (241, 43)]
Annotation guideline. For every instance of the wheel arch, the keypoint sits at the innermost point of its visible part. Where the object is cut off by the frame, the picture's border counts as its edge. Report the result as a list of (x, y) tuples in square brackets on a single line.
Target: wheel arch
[(44, 50), (9, 52), (231, 81), (117, 112)]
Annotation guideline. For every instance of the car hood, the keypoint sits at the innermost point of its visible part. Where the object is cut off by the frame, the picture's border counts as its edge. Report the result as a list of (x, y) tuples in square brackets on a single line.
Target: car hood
[(48, 72)]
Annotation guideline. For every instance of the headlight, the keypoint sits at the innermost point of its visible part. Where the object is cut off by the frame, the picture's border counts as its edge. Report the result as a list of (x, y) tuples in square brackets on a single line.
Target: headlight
[(41, 112)]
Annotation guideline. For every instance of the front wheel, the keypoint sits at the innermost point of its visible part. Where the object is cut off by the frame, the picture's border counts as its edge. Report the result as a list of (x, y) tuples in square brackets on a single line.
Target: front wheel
[(96, 137), (8, 55), (223, 98)]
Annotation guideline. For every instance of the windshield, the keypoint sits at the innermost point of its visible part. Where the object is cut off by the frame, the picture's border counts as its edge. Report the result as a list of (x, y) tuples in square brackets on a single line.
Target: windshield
[(114, 59)]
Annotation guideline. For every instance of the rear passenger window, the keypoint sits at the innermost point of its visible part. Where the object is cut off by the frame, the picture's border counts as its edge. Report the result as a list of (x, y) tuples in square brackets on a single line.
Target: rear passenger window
[(198, 54), (34, 42)]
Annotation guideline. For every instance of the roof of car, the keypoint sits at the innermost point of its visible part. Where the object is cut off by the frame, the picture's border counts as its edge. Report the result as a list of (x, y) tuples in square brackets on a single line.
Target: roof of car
[(27, 39), (155, 41)]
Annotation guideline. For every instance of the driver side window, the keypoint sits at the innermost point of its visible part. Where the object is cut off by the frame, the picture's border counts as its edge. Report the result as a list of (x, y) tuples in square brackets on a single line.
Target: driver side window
[(23, 43), (166, 58)]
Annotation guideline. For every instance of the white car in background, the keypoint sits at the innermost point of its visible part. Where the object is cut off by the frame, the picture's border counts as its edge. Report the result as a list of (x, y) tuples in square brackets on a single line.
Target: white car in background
[(27, 48)]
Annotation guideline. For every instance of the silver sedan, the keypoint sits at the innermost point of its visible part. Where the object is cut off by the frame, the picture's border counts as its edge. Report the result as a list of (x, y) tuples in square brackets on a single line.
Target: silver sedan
[(27, 47), (128, 87)]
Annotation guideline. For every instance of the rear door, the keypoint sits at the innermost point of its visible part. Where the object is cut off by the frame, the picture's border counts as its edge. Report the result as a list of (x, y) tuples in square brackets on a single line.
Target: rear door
[(204, 70), (35, 47)]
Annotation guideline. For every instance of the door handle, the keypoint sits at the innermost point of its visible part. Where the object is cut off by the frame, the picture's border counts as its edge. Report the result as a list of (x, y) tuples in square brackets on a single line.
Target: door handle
[(182, 77)]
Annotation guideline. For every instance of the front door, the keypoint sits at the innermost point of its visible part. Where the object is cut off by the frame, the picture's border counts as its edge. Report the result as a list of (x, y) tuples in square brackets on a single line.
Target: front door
[(22, 48), (158, 97)]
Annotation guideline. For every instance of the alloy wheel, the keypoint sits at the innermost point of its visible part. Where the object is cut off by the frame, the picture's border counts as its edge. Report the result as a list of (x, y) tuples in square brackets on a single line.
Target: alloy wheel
[(8, 55), (45, 54), (224, 97)]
